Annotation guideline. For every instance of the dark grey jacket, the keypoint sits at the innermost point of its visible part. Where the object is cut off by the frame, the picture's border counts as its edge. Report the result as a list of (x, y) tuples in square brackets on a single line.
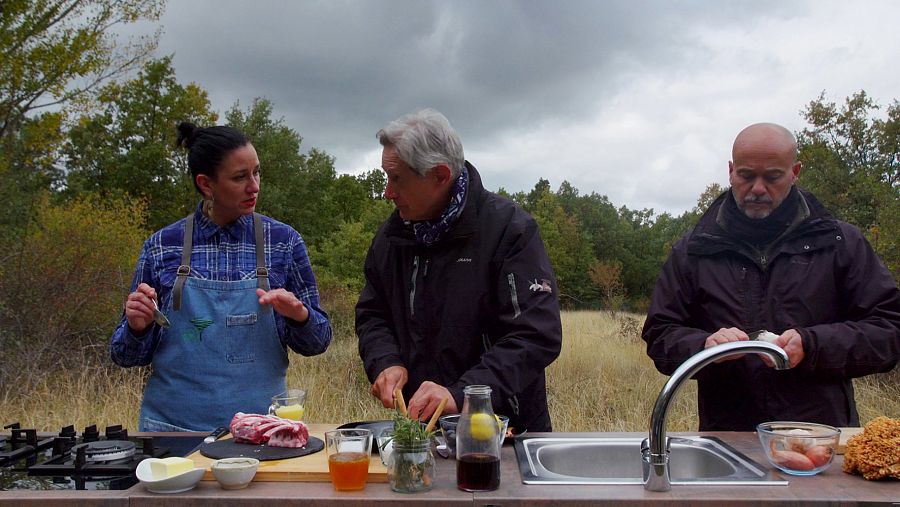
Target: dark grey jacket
[(821, 278), (478, 307)]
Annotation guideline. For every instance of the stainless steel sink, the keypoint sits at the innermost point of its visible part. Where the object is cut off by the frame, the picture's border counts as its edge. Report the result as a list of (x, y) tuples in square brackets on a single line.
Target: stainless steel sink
[(610, 460)]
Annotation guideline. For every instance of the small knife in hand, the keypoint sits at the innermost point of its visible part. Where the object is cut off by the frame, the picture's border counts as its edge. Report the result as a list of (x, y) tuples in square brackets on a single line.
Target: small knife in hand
[(218, 432)]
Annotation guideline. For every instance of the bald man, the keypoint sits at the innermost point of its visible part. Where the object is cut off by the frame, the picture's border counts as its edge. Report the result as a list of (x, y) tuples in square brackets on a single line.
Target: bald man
[(768, 256)]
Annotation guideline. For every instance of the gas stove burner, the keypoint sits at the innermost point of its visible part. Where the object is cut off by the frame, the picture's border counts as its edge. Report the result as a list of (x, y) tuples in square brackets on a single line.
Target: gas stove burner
[(106, 450)]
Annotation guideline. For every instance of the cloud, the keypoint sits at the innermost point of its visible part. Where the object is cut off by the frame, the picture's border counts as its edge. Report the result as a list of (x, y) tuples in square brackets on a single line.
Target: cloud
[(635, 100)]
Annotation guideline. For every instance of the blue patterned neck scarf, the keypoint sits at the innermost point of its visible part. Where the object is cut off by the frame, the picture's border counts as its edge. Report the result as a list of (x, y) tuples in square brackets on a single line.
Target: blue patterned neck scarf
[(429, 232)]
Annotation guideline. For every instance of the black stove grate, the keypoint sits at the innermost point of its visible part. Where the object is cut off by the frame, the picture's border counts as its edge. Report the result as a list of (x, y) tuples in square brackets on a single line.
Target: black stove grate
[(90, 461)]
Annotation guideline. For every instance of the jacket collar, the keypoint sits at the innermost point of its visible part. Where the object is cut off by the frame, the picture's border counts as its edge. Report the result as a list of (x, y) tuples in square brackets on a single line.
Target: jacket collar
[(464, 226), (710, 236)]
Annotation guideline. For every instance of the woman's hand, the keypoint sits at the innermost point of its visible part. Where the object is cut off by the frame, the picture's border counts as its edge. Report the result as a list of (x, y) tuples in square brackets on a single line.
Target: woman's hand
[(285, 303), (139, 308)]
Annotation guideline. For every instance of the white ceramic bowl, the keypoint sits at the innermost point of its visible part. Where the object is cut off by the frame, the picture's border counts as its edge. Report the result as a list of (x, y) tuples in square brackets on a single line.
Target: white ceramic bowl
[(234, 473), (175, 484)]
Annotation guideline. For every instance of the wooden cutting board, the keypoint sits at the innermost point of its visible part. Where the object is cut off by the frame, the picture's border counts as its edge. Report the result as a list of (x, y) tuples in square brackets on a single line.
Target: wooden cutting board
[(846, 433), (311, 468)]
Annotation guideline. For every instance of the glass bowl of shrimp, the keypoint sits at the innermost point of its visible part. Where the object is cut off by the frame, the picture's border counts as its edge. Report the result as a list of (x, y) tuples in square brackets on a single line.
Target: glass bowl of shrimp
[(798, 448)]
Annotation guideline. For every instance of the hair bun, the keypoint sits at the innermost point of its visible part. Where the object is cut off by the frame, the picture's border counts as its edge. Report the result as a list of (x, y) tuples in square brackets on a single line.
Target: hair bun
[(187, 133)]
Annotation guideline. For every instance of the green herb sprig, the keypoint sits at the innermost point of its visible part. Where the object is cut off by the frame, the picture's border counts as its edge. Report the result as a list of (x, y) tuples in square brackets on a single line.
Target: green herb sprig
[(407, 432)]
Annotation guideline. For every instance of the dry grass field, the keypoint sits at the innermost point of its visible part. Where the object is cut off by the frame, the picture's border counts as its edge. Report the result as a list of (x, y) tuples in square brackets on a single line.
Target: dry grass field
[(602, 381)]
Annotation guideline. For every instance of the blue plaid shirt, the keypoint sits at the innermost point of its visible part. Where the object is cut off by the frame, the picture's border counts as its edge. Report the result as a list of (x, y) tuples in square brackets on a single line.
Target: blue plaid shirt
[(229, 254)]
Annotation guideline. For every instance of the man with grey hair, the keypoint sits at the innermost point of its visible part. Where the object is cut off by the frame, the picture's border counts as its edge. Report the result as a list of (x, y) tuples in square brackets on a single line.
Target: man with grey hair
[(459, 289), (767, 256)]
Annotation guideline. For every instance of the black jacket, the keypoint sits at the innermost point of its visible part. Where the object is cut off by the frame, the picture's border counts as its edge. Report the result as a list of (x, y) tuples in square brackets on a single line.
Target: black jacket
[(821, 278), (478, 307)]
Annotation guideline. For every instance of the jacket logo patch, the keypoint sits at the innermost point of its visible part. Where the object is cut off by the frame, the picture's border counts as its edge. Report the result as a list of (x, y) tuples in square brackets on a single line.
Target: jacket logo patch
[(542, 286), (464, 259)]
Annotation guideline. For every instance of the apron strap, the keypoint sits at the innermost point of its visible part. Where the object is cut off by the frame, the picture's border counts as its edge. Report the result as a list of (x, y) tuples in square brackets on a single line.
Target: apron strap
[(262, 273), (185, 268)]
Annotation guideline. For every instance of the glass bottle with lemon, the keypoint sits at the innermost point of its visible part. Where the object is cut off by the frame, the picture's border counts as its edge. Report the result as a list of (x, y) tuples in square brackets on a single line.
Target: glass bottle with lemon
[(478, 442)]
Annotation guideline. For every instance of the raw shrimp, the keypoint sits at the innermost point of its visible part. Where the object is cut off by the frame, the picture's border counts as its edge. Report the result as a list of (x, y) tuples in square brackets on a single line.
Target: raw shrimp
[(790, 459), (819, 455)]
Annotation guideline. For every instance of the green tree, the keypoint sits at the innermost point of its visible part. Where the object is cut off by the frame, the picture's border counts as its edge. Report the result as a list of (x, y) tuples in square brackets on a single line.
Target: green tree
[(709, 194), (568, 248), (303, 189), (851, 161), (58, 50), (126, 147), (27, 168), (374, 181), (297, 188), (608, 277), (281, 162), (64, 284)]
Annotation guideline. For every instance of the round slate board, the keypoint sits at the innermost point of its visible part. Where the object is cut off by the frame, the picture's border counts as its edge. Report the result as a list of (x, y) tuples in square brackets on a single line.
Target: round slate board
[(230, 449)]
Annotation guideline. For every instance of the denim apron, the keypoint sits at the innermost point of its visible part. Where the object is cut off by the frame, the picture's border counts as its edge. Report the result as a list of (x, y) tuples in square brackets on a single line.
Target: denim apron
[(221, 355)]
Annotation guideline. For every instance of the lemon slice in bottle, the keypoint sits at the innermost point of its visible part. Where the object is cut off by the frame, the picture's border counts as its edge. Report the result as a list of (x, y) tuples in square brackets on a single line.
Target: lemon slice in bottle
[(481, 426)]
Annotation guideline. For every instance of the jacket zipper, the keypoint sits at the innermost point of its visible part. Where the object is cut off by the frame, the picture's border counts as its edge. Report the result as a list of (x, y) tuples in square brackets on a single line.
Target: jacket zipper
[(513, 295), (747, 296), (412, 290)]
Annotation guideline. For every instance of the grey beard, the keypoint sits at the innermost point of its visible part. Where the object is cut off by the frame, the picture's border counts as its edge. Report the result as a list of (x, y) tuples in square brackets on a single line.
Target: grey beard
[(752, 199)]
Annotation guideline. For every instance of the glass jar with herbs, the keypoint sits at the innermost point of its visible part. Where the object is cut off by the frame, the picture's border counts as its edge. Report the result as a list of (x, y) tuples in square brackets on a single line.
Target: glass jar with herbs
[(410, 466)]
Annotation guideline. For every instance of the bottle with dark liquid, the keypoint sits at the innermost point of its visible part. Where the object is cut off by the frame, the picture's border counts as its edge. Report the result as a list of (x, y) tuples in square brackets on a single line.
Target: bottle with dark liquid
[(478, 442)]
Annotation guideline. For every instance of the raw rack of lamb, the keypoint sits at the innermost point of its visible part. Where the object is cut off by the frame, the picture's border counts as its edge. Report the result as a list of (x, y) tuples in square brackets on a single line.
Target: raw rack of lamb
[(268, 429)]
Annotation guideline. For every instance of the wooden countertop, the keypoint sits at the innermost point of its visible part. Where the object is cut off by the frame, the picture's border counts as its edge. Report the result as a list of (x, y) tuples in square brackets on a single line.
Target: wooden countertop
[(832, 487)]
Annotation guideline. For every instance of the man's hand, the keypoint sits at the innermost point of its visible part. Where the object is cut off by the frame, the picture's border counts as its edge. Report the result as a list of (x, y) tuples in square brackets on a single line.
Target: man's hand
[(792, 343), (391, 378), (426, 400), (285, 303), (732, 334), (139, 308)]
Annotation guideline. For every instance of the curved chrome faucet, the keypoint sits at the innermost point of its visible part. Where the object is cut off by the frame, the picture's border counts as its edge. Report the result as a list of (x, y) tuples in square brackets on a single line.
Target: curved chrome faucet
[(655, 450)]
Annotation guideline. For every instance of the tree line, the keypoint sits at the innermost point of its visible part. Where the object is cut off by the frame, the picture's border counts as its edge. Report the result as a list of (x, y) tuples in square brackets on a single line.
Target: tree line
[(88, 168)]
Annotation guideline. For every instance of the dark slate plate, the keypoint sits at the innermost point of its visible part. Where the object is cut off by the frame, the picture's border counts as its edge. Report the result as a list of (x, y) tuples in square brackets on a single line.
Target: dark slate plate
[(376, 427), (230, 449)]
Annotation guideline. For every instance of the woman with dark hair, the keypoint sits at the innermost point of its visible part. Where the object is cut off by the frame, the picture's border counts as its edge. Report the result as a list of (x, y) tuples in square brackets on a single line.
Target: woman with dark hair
[(234, 289)]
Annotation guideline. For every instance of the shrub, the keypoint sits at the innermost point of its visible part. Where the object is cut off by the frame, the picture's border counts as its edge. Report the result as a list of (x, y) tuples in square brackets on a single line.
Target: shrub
[(62, 286)]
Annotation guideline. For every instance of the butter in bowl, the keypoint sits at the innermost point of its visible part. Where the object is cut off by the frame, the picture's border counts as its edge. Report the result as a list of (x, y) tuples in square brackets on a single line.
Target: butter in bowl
[(234, 473), (168, 475)]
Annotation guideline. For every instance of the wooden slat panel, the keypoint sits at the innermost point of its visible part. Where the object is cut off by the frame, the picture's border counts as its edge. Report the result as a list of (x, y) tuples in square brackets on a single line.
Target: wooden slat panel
[(846, 433), (311, 468)]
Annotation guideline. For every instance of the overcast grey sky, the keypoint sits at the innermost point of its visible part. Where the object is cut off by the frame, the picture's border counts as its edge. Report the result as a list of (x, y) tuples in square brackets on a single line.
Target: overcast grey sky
[(636, 100)]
